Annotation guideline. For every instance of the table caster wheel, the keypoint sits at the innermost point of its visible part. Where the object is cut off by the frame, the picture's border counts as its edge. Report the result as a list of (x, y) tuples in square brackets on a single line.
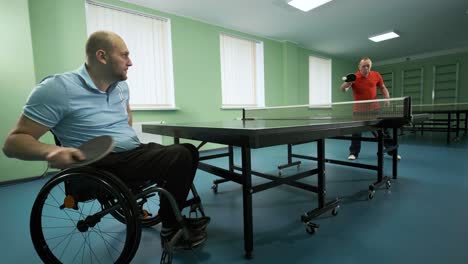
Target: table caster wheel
[(388, 185), (311, 228), (335, 211)]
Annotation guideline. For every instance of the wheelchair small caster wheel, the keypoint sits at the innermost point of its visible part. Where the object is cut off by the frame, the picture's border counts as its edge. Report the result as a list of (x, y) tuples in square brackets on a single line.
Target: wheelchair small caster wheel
[(215, 188), (311, 228), (371, 195)]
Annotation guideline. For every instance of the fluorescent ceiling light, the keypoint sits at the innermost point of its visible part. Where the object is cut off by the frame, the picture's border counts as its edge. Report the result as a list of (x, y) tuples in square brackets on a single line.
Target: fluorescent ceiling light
[(306, 5), (384, 36)]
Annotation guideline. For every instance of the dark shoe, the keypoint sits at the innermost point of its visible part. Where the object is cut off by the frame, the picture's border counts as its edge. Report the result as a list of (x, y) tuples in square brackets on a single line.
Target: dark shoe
[(198, 224), (174, 238)]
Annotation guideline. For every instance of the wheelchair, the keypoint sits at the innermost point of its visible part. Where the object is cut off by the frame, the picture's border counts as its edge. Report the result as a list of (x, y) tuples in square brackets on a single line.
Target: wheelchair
[(87, 215)]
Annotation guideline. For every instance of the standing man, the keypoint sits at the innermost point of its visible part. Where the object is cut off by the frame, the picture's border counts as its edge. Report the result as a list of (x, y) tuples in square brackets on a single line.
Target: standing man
[(94, 101), (365, 88)]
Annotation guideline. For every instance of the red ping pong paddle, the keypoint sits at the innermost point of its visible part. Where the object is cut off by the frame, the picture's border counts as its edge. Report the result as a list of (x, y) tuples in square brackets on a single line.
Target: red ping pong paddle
[(94, 150)]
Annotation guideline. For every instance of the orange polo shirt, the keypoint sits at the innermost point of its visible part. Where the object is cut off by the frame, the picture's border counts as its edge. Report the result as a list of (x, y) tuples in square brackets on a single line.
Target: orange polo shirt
[(365, 88)]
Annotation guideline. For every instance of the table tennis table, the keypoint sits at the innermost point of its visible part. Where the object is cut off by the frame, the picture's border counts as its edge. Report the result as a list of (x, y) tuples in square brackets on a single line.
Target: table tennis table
[(455, 114), (260, 128)]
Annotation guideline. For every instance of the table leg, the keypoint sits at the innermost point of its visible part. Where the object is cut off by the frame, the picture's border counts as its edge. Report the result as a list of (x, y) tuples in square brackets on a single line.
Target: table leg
[(380, 154), (465, 130), (247, 200), (380, 178), (321, 172), (231, 158), (395, 154)]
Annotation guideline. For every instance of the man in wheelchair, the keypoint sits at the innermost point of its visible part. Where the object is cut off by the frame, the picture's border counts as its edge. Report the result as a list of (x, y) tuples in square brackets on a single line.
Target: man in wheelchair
[(93, 101)]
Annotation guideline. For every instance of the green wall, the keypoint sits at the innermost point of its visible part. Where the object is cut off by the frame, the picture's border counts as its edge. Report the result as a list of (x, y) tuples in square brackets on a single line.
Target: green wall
[(16, 80), (53, 34), (58, 30)]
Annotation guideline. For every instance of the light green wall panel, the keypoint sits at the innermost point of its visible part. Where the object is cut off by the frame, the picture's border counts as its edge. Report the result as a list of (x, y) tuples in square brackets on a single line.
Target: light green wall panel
[(273, 72), (339, 69), (290, 73), (58, 31), (16, 81)]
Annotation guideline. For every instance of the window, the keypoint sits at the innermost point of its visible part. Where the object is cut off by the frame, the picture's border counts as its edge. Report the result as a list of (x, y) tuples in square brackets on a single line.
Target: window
[(241, 72), (148, 39), (319, 81)]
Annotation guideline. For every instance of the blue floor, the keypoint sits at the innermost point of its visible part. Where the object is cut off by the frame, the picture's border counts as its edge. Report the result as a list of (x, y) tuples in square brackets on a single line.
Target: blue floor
[(421, 219)]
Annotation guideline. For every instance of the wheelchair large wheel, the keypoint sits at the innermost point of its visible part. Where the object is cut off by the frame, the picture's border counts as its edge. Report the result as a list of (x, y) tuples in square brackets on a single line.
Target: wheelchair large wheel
[(67, 228)]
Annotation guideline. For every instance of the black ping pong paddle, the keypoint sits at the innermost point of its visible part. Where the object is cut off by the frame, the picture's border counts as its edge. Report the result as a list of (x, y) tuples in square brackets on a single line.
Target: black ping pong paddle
[(351, 77), (94, 150)]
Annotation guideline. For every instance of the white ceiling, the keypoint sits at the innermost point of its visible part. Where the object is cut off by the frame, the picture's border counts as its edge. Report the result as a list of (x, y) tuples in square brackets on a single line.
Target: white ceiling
[(341, 27)]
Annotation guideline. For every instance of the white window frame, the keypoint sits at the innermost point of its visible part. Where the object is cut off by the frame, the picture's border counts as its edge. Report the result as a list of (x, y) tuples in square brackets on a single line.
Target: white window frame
[(320, 85), (148, 38), (242, 72)]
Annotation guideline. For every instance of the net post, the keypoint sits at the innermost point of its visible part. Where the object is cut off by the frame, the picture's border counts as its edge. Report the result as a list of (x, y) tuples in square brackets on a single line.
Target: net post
[(407, 108), (243, 114)]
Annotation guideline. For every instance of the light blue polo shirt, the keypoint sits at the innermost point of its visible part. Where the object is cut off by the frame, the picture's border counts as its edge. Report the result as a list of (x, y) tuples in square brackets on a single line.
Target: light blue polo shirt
[(76, 111)]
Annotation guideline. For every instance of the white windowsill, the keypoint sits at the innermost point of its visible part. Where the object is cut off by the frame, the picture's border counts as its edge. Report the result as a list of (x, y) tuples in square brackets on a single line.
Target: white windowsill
[(146, 108)]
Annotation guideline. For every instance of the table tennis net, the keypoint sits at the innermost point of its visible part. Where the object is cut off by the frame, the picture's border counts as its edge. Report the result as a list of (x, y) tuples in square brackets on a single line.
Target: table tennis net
[(353, 110)]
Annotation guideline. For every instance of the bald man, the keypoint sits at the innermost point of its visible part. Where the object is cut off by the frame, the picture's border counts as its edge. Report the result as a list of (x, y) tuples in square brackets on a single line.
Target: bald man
[(365, 88), (94, 101)]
